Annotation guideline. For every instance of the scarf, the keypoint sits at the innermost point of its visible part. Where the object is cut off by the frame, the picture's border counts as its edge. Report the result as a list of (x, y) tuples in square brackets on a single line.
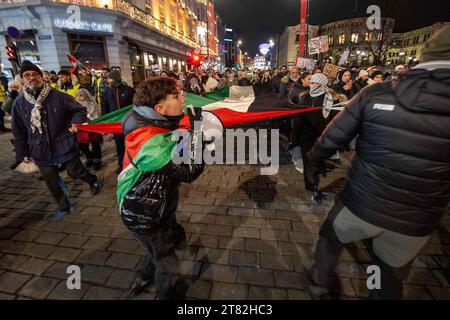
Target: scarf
[(35, 120)]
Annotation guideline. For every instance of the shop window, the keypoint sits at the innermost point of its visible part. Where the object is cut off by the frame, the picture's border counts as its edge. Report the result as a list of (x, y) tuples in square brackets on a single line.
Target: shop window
[(342, 39), (89, 49), (27, 47), (355, 38)]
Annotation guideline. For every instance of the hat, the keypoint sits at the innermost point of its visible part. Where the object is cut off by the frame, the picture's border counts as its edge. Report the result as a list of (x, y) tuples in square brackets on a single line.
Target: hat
[(115, 75), (363, 73), (376, 73), (320, 78), (438, 46), (29, 66)]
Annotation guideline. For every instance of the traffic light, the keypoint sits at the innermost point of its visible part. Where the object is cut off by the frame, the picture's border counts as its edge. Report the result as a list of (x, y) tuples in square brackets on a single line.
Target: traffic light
[(196, 59), (11, 52)]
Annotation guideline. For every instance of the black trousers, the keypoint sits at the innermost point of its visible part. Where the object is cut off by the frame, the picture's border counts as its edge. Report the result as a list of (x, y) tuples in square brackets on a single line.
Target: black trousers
[(161, 263), (119, 139), (310, 175), (2, 120), (95, 153), (326, 258), (75, 169)]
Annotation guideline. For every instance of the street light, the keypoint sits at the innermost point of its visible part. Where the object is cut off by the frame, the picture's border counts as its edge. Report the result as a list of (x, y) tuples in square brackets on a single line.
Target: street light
[(239, 42)]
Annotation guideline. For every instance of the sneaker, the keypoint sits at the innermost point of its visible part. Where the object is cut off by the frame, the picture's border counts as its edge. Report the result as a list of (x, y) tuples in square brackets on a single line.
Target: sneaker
[(96, 187), (57, 216), (317, 292), (138, 287)]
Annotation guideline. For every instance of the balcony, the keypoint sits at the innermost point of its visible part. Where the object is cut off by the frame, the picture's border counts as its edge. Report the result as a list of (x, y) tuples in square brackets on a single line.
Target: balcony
[(122, 6)]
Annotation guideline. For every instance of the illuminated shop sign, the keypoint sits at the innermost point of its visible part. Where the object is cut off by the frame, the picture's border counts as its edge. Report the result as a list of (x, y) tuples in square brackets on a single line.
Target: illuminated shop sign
[(83, 25)]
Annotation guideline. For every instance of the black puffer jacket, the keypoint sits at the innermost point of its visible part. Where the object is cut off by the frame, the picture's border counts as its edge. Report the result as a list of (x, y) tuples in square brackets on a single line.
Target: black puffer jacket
[(153, 200), (399, 178)]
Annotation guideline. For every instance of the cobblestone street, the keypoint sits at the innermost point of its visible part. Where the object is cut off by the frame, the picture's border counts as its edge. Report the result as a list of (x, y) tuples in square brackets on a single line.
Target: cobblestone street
[(250, 237)]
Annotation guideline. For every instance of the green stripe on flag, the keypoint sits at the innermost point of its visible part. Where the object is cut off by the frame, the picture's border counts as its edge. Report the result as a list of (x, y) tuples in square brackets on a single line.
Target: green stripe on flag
[(153, 155)]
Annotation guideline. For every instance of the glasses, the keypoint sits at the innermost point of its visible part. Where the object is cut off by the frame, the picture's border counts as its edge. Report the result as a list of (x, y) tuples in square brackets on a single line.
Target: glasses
[(30, 75)]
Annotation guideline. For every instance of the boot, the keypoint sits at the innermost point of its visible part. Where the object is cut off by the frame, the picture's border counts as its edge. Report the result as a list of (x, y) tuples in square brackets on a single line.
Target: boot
[(89, 163)]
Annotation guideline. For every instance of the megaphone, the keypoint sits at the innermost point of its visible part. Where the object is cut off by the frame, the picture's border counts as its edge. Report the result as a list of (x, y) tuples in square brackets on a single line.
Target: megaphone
[(212, 128)]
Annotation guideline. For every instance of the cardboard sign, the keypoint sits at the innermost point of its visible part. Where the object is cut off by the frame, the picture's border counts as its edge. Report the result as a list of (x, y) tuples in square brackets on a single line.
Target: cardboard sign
[(318, 45), (331, 70), (307, 64)]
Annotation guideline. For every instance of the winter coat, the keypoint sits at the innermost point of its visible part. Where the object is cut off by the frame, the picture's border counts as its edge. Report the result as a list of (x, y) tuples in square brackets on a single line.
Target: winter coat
[(56, 144), (153, 199), (399, 178), (116, 97), (7, 104), (339, 88)]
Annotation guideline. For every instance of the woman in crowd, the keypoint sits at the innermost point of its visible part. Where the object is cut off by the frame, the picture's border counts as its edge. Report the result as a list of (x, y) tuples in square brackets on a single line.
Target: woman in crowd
[(345, 84), (86, 139)]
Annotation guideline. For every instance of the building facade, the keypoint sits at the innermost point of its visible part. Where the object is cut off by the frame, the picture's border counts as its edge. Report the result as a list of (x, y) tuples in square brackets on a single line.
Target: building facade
[(231, 47), (406, 48), (130, 35), (365, 46), (286, 46)]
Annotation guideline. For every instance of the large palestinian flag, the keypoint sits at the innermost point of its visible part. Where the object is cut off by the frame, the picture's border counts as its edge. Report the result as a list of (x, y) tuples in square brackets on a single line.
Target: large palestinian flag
[(234, 105), (150, 148)]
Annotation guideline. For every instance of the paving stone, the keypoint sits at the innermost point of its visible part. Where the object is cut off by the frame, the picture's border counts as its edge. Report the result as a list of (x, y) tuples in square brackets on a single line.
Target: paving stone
[(229, 291), (27, 235), (291, 280), (99, 231), (277, 235), (421, 276), (194, 289), (443, 276), (244, 258), (255, 276), (270, 261), (246, 232), (11, 262), (65, 254), (257, 245), (123, 245), (61, 292), (209, 255), (202, 218), (51, 238), (121, 279), (38, 288), (95, 274), (18, 247), (95, 257), (298, 295), (416, 293), (74, 241), (8, 233), (5, 296), (232, 243), (97, 243), (101, 293), (35, 266), (264, 293), (439, 293), (41, 251), (122, 260), (228, 220), (11, 281), (215, 272), (58, 270), (204, 240), (56, 226)]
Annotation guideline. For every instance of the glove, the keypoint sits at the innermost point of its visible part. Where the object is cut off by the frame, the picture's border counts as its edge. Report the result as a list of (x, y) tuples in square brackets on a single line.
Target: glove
[(194, 114)]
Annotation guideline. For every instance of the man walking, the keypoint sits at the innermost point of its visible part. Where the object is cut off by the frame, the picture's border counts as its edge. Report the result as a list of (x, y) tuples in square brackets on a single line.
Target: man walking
[(398, 185), (43, 125)]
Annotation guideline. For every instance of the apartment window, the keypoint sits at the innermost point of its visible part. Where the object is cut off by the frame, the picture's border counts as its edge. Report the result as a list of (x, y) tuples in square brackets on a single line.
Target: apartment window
[(330, 40), (342, 39), (297, 37), (355, 38), (407, 42), (172, 21), (368, 36), (380, 37), (162, 13)]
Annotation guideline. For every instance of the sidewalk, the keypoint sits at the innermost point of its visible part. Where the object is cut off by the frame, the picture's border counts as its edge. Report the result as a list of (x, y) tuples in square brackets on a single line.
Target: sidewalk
[(250, 237)]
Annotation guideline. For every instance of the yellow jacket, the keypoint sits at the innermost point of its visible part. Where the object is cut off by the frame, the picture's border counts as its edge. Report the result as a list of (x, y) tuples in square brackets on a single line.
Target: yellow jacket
[(2, 93), (70, 91)]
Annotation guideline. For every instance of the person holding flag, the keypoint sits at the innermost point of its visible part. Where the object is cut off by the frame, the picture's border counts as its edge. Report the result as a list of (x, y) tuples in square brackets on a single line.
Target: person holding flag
[(147, 190)]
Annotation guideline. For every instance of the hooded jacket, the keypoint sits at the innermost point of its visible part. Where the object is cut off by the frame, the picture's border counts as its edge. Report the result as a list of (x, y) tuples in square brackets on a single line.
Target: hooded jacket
[(399, 178), (153, 199)]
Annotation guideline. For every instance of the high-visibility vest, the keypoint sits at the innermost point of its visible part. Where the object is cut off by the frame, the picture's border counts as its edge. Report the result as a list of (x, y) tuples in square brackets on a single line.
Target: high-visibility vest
[(99, 96), (2, 93), (72, 92), (54, 85)]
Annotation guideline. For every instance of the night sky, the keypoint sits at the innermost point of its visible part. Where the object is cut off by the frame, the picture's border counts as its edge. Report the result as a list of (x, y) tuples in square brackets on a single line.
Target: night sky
[(260, 20)]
